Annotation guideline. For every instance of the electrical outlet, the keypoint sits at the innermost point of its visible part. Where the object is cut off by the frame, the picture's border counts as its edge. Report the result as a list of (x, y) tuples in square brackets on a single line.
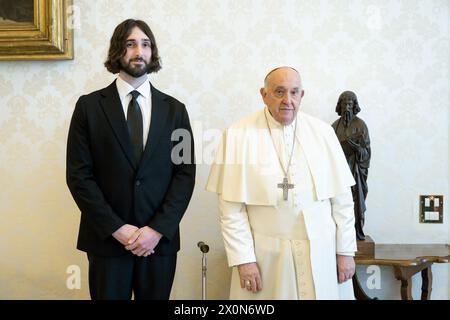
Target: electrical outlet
[(431, 208)]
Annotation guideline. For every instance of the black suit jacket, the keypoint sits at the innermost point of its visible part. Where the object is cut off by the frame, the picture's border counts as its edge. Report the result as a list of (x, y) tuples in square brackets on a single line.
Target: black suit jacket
[(107, 184)]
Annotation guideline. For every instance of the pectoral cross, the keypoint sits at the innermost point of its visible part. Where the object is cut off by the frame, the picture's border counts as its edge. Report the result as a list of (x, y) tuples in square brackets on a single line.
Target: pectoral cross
[(285, 186)]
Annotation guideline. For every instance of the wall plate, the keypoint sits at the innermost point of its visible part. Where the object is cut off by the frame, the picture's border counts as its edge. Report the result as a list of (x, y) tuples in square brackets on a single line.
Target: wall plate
[(431, 208)]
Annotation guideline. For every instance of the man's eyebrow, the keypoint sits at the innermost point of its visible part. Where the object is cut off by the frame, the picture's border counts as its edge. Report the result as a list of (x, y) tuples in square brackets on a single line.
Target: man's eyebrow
[(144, 40)]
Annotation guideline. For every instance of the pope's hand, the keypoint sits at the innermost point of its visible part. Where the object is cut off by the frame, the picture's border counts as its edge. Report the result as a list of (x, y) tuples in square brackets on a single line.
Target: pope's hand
[(345, 267), (250, 277)]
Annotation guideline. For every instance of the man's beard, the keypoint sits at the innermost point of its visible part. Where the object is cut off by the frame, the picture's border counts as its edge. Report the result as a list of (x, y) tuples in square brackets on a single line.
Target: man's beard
[(135, 71), (347, 117)]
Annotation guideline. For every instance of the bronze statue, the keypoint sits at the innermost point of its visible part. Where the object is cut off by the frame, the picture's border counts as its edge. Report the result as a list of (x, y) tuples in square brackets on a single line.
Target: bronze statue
[(353, 135)]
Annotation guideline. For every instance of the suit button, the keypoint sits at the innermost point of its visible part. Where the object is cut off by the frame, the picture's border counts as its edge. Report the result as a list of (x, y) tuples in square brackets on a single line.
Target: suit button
[(138, 183)]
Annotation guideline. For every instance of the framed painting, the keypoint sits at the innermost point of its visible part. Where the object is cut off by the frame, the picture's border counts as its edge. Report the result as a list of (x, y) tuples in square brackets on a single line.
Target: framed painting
[(35, 30)]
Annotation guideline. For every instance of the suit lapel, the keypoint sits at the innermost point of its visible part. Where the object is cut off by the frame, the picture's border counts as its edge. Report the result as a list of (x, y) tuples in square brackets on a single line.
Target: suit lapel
[(112, 106), (160, 111)]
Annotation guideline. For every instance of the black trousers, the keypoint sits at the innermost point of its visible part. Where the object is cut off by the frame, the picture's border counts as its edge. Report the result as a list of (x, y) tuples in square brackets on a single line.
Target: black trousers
[(116, 278)]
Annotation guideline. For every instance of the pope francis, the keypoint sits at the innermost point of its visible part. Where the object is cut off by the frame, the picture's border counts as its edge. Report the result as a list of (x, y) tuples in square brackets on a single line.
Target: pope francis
[(286, 208)]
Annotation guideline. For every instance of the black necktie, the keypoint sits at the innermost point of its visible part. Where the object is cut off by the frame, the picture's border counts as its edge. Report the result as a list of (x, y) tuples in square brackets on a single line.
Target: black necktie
[(134, 121)]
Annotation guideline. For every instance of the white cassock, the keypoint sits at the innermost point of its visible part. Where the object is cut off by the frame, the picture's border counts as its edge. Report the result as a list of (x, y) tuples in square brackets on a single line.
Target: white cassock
[(294, 242)]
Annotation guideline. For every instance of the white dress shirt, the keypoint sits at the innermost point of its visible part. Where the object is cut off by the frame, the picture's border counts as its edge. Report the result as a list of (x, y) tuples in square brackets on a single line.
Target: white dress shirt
[(144, 100)]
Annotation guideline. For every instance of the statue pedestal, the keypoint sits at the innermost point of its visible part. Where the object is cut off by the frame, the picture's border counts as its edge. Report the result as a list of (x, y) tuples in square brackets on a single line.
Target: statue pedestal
[(366, 248)]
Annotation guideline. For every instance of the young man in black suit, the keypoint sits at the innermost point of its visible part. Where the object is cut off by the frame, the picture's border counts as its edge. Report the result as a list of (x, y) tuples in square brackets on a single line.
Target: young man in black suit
[(129, 184)]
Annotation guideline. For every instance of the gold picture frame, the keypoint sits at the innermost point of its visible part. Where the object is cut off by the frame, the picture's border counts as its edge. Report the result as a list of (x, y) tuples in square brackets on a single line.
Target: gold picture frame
[(46, 36)]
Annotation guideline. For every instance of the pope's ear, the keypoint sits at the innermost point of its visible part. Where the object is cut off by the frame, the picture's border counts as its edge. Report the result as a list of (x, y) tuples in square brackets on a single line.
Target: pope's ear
[(302, 94), (263, 92)]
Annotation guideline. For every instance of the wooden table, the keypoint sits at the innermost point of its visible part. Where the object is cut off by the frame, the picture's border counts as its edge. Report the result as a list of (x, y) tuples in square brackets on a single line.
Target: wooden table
[(407, 260)]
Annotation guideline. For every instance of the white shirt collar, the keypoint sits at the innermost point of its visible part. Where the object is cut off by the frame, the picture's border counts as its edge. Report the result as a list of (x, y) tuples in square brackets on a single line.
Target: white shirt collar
[(124, 88)]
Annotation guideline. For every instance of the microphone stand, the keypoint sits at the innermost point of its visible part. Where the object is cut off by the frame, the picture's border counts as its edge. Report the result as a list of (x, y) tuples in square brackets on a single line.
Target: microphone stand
[(204, 248)]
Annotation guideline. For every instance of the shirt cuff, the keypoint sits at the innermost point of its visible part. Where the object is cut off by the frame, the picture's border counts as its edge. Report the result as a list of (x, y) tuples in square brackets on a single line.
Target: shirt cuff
[(350, 254)]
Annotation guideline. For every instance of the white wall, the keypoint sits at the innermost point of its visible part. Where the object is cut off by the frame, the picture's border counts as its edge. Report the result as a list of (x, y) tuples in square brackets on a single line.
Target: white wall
[(394, 54)]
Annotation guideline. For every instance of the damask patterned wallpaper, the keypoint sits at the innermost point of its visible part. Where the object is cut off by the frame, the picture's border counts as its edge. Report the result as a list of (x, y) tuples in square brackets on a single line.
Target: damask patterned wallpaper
[(394, 54)]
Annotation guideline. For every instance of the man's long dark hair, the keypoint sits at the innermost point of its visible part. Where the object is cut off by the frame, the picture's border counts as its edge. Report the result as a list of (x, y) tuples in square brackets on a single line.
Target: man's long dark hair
[(117, 47)]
